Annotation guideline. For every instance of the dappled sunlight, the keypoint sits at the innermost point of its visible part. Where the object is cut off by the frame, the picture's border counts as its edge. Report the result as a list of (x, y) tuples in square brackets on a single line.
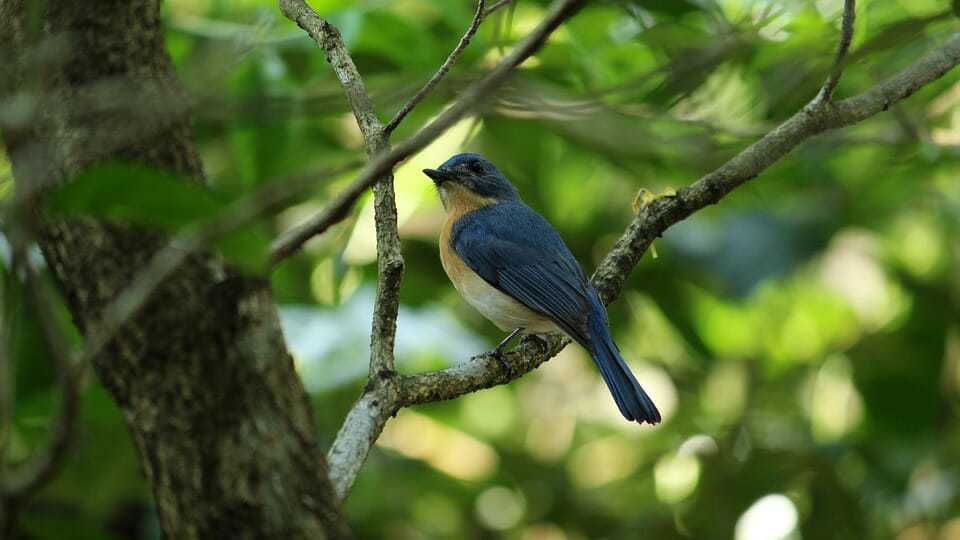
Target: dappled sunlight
[(437, 513), (851, 270), (500, 508), (724, 392), (491, 413), (916, 240), (557, 386), (413, 190), (602, 461), (948, 135), (652, 336), (729, 329), (773, 517), (802, 319), (444, 448), (330, 345), (833, 402), (544, 531), (329, 288), (550, 436), (676, 477), (677, 474), (929, 492)]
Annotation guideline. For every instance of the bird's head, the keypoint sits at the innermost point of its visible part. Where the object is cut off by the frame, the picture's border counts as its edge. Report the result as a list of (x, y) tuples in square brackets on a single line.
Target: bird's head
[(469, 180)]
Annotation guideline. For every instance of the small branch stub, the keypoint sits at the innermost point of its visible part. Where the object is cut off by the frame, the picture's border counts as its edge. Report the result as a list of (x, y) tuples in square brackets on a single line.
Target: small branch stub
[(843, 47)]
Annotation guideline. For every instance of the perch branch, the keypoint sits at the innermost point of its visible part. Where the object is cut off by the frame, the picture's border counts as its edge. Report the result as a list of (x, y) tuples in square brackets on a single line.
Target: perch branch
[(380, 399), (389, 257), (483, 371)]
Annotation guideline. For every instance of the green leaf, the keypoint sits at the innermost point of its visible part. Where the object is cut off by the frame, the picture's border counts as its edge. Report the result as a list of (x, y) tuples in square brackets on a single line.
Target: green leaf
[(27, 346), (136, 195), (898, 33), (247, 247)]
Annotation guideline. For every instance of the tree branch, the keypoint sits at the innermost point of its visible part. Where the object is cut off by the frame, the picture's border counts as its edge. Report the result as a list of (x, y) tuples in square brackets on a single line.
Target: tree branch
[(846, 37), (380, 399), (328, 38), (483, 371), (444, 68), (389, 257), (291, 242)]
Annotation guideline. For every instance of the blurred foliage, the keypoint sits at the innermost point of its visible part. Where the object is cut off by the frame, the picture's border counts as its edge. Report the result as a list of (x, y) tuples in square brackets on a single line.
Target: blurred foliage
[(802, 338)]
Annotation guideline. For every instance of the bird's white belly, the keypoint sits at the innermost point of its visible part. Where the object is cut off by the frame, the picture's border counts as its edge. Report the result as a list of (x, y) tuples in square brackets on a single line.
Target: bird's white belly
[(501, 309)]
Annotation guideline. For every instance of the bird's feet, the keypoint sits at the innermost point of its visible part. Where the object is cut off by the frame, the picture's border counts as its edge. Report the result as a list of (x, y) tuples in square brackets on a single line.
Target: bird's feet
[(542, 345), (498, 352)]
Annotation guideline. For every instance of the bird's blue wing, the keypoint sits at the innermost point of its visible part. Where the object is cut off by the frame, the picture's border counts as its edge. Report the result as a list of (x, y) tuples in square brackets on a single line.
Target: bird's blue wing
[(517, 251), (514, 249)]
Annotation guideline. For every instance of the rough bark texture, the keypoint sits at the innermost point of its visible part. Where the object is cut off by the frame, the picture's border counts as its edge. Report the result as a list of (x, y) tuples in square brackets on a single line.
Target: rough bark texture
[(202, 375), (342, 459)]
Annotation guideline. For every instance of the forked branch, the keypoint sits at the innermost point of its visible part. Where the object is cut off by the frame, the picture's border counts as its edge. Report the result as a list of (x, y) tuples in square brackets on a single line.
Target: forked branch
[(444, 69), (483, 371), (337, 210)]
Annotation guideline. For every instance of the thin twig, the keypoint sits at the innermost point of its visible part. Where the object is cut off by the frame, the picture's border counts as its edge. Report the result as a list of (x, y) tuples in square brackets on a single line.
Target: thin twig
[(444, 69), (380, 399), (291, 242), (495, 7), (389, 258), (483, 371), (839, 61)]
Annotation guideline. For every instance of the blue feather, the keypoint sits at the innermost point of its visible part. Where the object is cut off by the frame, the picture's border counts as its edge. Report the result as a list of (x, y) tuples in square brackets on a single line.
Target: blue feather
[(517, 251)]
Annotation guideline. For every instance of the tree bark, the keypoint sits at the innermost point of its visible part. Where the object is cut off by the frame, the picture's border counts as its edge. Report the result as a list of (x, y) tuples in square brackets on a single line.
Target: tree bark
[(201, 373)]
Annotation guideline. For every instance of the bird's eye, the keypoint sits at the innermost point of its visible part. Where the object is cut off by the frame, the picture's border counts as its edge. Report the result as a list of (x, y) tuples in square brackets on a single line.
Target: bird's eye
[(476, 167)]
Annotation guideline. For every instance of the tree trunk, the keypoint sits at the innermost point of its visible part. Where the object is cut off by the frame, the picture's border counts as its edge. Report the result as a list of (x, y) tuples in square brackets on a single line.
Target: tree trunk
[(202, 375)]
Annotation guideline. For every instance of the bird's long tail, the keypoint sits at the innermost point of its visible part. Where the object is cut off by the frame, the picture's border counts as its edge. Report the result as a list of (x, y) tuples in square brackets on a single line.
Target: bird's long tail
[(633, 402)]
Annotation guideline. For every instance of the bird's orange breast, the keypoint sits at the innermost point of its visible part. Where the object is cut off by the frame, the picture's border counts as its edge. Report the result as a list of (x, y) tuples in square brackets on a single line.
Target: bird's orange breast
[(500, 308)]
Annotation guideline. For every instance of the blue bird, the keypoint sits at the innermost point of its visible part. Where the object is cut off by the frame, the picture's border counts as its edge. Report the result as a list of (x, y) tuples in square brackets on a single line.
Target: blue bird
[(511, 265)]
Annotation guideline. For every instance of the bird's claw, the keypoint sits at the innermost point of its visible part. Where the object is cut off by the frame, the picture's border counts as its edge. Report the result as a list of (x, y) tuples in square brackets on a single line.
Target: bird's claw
[(542, 345), (498, 352), (504, 365)]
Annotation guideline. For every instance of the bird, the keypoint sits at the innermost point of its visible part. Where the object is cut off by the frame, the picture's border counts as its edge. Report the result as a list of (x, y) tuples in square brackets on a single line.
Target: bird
[(512, 266)]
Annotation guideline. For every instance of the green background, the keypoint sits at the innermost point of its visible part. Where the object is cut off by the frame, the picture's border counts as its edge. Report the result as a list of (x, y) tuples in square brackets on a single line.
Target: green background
[(801, 338)]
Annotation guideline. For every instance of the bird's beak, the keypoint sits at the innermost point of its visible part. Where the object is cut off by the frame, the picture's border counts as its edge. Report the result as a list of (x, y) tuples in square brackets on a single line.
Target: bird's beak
[(437, 175)]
